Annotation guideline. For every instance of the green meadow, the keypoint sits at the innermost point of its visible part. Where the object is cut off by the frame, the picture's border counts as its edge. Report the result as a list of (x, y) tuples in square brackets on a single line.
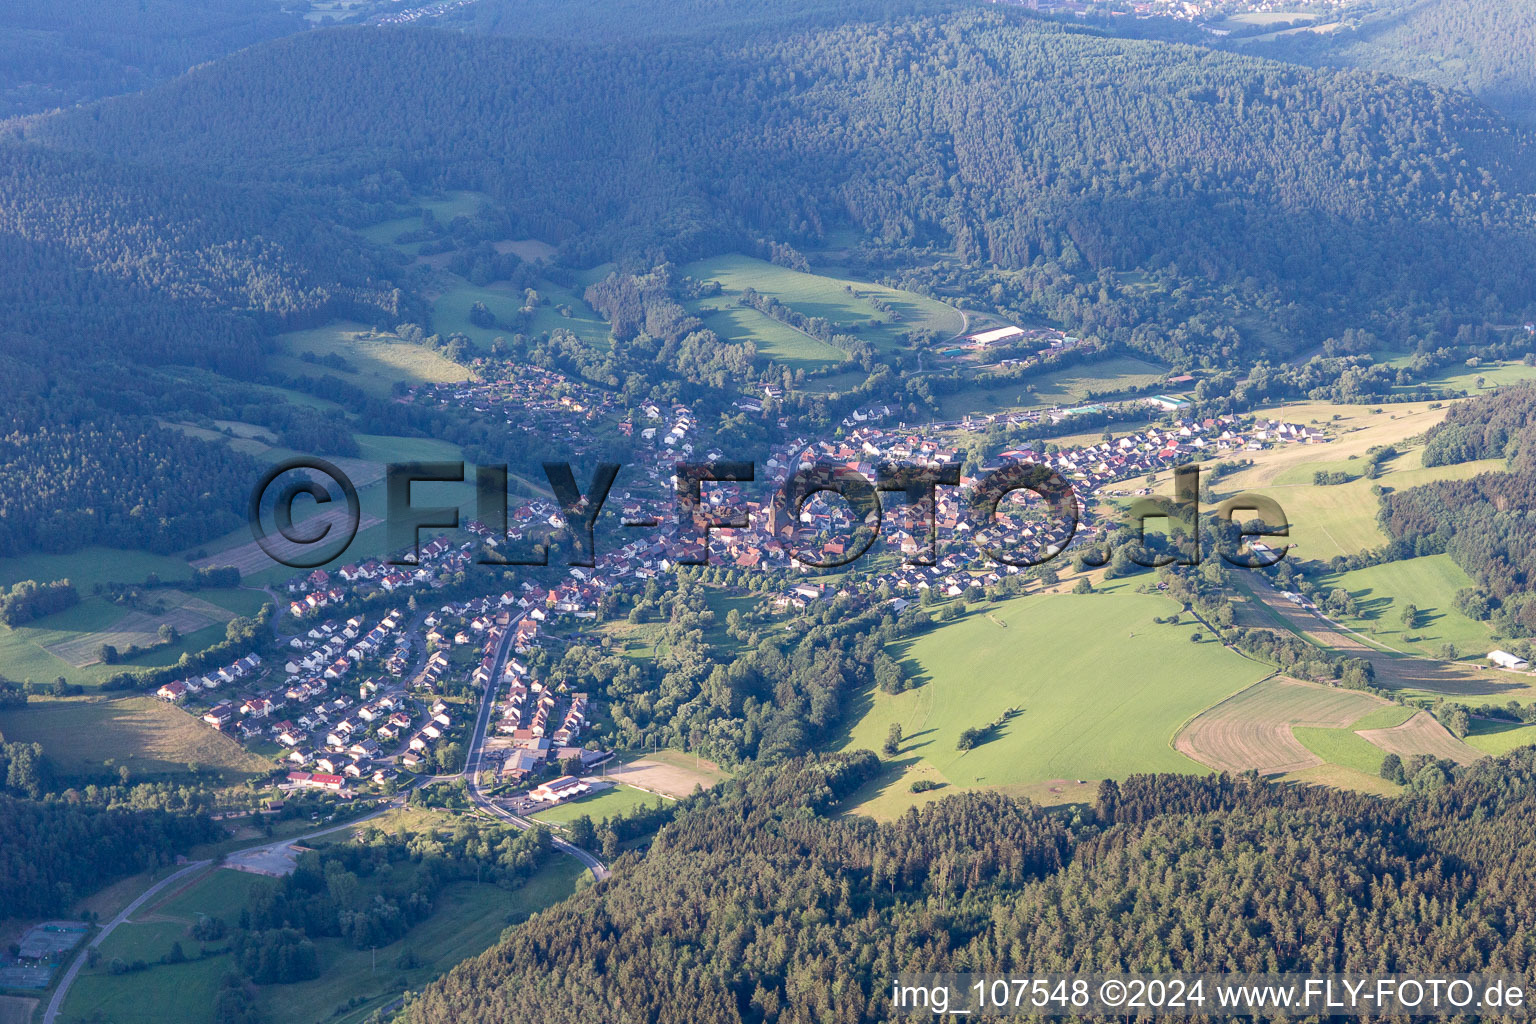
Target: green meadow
[(378, 361), (60, 645), (844, 301), (1430, 584), (1098, 688), (1054, 388), (774, 340), (1498, 738), (450, 311), (449, 206), (1342, 747), (469, 917)]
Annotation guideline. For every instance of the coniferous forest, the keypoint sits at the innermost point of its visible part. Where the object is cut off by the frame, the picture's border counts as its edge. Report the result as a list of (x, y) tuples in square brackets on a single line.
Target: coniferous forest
[(746, 908)]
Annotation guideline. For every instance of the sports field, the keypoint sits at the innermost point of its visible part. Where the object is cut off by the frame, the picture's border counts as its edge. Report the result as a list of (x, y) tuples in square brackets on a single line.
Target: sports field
[(1429, 584), (377, 361), (91, 736), (619, 799), (1098, 687)]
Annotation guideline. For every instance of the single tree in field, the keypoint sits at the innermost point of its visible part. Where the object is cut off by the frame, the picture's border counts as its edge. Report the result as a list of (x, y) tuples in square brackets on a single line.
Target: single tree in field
[(892, 740), (1410, 616)]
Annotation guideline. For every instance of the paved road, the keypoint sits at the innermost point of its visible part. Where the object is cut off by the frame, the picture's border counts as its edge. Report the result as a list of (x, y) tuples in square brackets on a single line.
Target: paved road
[(473, 759), (57, 1002), (268, 854)]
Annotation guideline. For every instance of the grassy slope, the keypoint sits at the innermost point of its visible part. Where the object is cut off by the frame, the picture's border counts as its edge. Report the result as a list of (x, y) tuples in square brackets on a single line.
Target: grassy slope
[(1056, 388), (468, 919), (815, 294), (379, 360), (1102, 690), (93, 737), (1430, 583), (1341, 519)]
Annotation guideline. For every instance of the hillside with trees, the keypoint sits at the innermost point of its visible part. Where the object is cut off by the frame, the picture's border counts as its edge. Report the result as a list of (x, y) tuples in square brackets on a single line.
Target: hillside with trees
[(1482, 46), (782, 916), (1001, 137)]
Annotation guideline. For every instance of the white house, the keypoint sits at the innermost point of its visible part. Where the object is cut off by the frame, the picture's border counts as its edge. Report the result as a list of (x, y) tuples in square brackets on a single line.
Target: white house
[(1504, 659)]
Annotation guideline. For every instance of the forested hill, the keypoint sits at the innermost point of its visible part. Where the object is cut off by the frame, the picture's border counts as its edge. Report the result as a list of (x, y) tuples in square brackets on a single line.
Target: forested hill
[(170, 266), (616, 20), (1006, 137), (63, 52), (1482, 46), (749, 909)]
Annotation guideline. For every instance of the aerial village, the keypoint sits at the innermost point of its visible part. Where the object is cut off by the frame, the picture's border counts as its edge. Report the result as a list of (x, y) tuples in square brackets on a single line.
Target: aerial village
[(357, 700)]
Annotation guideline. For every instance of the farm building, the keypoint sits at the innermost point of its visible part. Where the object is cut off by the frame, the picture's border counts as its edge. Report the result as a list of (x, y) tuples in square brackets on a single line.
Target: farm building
[(986, 339), (1504, 659)]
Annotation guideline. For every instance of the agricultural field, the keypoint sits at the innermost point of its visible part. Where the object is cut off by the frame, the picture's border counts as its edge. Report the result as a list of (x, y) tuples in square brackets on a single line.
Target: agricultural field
[(1429, 583), (1341, 518), (780, 342), (1420, 734), (68, 644), (618, 799), (823, 295), (1254, 729), (89, 737), (1064, 387), (1498, 738), (378, 361), (1098, 688)]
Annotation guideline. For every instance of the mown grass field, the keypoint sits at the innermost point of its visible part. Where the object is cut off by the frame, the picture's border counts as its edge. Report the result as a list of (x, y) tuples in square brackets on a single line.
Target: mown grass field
[(1500, 737), (1100, 691), (379, 361), (1064, 387), (597, 806), (773, 340), (1430, 584), (1341, 519), (1253, 729), (67, 644), (828, 296), (87, 737), (1342, 747)]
